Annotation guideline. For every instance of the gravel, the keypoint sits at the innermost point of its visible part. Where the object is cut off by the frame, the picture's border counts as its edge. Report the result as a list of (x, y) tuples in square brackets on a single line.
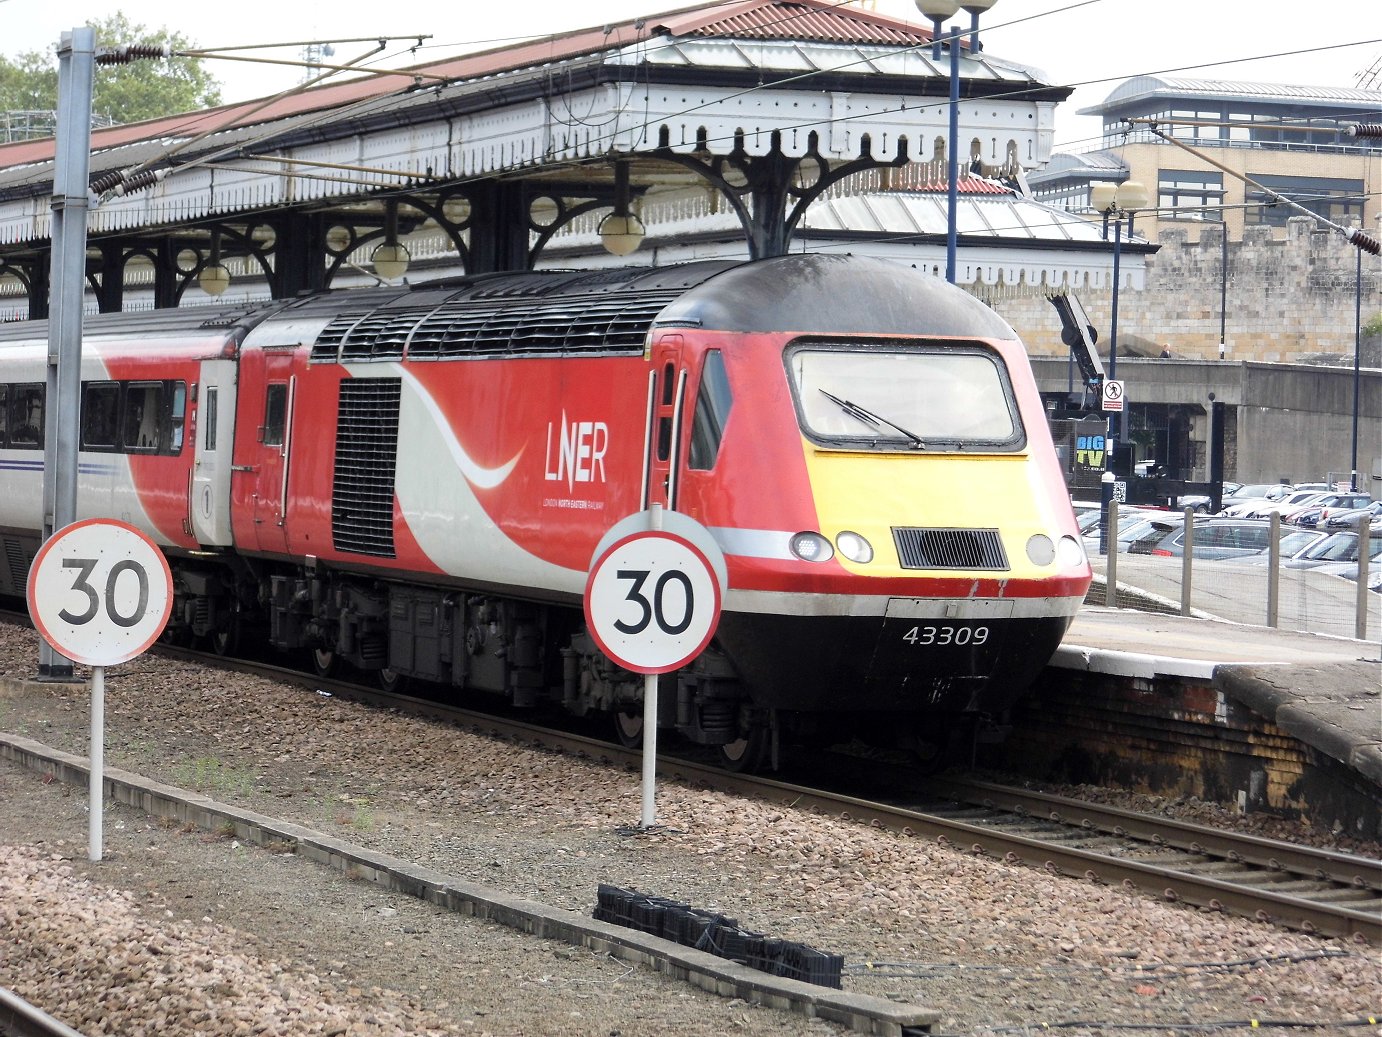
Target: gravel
[(187, 932)]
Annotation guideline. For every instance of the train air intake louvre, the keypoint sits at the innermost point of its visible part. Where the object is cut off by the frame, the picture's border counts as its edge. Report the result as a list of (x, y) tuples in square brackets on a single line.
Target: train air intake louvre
[(465, 329), (366, 457), (949, 548)]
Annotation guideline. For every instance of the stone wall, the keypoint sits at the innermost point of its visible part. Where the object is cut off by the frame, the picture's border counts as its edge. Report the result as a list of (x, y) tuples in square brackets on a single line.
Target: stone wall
[(1288, 300)]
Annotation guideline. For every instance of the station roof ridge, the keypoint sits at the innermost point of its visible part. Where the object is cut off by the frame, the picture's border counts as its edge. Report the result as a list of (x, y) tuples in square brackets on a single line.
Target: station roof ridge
[(1151, 86), (826, 21)]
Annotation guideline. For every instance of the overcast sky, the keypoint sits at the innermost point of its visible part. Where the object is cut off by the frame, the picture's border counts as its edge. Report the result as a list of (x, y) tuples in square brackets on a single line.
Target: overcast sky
[(1089, 44)]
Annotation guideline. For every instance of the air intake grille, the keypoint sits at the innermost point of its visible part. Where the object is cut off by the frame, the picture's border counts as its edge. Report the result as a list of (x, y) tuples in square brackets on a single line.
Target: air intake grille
[(366, 457), (511, 328), (949, 548)]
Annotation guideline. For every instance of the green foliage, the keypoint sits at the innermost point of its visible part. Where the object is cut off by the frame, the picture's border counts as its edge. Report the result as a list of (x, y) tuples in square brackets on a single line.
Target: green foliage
[(1373, 325), (126, 93)]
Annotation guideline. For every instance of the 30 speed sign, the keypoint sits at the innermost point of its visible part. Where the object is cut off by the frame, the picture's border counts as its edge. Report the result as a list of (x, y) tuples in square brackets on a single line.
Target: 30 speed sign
[(652, 601), (100, 592)]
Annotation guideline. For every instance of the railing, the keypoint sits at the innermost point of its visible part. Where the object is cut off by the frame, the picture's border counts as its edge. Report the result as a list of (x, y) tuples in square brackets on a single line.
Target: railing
[(1258, 590)]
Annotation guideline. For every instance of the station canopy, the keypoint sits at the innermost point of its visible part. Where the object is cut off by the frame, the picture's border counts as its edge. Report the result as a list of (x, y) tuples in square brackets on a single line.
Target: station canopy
[(769, 123)]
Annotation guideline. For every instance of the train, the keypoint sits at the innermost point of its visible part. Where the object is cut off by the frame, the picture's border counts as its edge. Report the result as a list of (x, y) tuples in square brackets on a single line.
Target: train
[(412, 479)]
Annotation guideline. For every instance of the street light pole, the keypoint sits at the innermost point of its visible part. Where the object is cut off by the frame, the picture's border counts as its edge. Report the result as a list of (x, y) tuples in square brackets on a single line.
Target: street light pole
[(1357, 354), (938, 11), (1116, 202)]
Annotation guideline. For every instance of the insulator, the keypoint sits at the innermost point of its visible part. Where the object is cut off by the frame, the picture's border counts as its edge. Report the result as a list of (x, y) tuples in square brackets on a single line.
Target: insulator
[(139, 181), (133, 52), (1366, 242), (107, 181), (1365, 130)]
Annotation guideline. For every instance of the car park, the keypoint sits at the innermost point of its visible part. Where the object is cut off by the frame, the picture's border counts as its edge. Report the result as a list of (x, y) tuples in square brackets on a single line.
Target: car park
[(1324, 505), (1252, 495), (1132, 523), (1337, 547)]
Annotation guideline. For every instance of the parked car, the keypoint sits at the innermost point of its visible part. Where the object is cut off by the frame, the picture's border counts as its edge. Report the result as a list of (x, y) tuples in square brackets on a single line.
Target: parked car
[(1337, 547), (1349, 519), (1132, 523), (1349, 569), (1215, 538), (1292, 502), (1252, 495), (1323, 506)]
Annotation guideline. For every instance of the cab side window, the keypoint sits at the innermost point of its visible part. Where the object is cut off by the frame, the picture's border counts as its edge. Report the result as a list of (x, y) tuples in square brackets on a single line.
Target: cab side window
[(275, 414), (713, 403)]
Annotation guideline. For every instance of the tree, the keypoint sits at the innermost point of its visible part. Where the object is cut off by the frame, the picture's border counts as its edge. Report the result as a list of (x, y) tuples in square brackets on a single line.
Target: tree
[(124, 93)]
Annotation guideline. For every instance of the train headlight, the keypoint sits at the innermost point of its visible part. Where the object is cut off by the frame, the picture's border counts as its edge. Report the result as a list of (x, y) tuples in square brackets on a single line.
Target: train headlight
[(854, 547), (1070, 551), (812, 547), (1040, 549)]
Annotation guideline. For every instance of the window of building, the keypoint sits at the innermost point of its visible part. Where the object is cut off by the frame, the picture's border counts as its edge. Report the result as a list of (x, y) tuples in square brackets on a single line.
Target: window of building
[(1189, 194), (1333, 198)]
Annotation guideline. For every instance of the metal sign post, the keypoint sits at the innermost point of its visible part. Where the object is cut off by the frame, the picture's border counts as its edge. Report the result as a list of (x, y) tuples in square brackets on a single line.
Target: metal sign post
[(67, 277), (652, 602), (100, 592)]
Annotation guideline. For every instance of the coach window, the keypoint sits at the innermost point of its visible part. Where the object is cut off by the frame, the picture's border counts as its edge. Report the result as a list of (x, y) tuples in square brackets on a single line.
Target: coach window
[(26, 415), (177, 417), (209, 418), (100, 415), (140, 429), (713, 402), (4, 415), (275, 414)]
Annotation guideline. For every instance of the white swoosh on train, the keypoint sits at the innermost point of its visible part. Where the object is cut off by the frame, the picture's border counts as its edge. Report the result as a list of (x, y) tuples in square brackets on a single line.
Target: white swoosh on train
[(484, 478)]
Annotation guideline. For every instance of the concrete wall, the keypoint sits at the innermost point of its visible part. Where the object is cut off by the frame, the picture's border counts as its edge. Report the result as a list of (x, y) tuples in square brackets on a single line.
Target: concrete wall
[(1281, 420)]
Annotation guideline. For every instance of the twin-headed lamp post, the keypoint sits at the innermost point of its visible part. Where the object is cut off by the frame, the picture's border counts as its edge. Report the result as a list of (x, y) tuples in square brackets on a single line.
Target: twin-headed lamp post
[(1116, 202), (938, 11)]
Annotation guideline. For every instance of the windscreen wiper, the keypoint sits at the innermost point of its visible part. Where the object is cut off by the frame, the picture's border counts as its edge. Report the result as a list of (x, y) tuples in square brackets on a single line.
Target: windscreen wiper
[(868, 417)]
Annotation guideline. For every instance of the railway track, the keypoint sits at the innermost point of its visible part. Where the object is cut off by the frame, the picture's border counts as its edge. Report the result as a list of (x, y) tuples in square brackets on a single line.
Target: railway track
[(1297, 887)]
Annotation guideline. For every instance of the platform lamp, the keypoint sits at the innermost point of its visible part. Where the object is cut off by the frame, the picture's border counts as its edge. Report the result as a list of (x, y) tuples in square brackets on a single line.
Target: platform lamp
[(214, 278), (391, 259), (938, 11), (1116, 202), (621, 232)]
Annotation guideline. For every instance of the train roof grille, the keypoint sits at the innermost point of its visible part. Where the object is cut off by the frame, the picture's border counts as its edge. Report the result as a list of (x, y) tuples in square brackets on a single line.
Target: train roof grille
[(463, 329), (949, 548)]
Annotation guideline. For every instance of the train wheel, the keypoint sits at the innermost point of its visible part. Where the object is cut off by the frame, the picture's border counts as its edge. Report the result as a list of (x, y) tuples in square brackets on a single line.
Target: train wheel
[(745, 755), (226, 640), (392, 681), (323, 662), (628, 727)]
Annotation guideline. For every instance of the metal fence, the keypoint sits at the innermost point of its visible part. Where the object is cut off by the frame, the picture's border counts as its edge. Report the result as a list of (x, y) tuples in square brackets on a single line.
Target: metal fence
[(1260, 590)]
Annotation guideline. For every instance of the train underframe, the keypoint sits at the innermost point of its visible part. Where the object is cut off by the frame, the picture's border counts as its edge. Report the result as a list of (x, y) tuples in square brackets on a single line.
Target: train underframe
[(531, 653)]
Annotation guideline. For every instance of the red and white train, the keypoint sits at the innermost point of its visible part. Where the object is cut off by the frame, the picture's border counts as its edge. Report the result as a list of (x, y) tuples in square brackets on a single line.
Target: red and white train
[(413, 480)]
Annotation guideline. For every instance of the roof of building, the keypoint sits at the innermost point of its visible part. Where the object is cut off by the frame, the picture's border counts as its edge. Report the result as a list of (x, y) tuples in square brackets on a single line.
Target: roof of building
[(1140, 89)]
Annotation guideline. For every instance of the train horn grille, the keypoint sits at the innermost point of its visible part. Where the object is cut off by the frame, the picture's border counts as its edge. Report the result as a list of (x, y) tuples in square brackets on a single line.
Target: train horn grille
[(949, 548)]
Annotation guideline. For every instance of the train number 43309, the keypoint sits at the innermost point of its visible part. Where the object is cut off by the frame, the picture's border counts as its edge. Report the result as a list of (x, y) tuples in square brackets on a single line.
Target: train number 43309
[(946, 635)]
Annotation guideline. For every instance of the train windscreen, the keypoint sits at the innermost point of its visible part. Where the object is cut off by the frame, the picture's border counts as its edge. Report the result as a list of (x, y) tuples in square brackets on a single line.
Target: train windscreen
[(887, 397)]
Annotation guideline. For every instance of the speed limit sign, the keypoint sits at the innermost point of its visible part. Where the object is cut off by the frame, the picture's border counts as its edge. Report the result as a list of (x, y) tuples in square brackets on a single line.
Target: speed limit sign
[(100, 592), (652, 600)]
